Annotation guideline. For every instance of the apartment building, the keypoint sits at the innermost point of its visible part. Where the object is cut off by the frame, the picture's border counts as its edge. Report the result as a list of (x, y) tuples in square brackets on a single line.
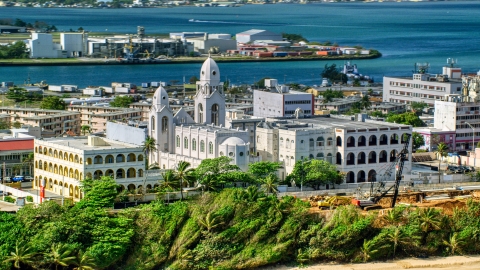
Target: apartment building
[(422, 87), (52, 122), (61, 163), (97, 117)]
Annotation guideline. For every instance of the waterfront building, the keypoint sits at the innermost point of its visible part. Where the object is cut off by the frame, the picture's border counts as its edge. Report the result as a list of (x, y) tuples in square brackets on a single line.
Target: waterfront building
[(61, 163), (279, 101), (41, 45), (423, 87), (216, 42), (255, 34)]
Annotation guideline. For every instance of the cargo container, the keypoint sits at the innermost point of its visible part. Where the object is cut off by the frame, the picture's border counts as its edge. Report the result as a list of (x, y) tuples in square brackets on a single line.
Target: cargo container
[(305, 53), (322, 52), (145, 85), (293, 53), (155, 84), (55, 88), (122, 90), (280, 54), (108, 90), (263, 54), (94, 92)]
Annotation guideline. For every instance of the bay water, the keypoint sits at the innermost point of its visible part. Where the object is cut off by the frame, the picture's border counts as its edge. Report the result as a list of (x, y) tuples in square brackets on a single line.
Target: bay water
[(404, 32)]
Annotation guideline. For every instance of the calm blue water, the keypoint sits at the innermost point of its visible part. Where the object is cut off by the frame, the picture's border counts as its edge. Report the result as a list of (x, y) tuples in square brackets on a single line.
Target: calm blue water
[(404, 32)]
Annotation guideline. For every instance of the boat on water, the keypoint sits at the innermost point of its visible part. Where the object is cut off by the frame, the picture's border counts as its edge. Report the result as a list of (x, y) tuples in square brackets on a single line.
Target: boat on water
[(191, 20), (352, 72)]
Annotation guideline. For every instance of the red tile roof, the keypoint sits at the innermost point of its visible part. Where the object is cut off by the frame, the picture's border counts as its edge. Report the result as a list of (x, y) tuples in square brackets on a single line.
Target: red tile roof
[(9, 145)]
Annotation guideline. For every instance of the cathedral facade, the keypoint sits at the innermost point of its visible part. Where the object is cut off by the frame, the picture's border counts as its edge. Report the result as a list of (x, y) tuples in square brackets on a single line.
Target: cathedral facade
[(180, 138)]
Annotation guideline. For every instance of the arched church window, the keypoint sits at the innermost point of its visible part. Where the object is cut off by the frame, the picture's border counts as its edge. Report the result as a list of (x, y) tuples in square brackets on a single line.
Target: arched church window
[(202, 146), (153, 123), (164, 124), (185, 143), (178, 141), (215, 114), (200, 113), (194, 145), (210, 148)]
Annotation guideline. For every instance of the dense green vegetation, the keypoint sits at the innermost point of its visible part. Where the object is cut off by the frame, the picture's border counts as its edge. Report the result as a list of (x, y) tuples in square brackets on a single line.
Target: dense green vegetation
[(122, 101), (14, 51), (334, 74), (407, 118), (231, 229), (52, 103)]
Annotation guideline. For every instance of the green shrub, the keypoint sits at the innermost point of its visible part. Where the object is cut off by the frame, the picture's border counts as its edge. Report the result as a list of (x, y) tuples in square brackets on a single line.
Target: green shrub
[(29, 199), (9, 199)]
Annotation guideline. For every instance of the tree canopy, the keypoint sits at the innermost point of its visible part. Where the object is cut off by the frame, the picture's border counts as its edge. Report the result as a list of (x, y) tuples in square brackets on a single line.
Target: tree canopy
[(315, 173), (99, 193), (329, 95), (14, 51), (333, 74), (294, 37), (122, 101), (52, 103), (408, 118), (418, 140)]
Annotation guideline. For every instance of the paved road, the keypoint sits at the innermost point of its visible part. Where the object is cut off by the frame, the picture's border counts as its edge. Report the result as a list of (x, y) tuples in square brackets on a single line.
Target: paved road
[(8, 207)]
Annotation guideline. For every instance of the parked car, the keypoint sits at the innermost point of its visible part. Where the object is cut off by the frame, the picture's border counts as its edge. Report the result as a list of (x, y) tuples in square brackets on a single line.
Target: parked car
[(18, 178), (7, 179), (455, 169), (28, 178)]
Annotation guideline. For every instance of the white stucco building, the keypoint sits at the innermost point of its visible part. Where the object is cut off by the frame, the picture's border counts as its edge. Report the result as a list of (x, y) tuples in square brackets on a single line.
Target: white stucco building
[(180, 137), (279, 101), (42, 46), (256, 34), (423, 87), (361, 149)]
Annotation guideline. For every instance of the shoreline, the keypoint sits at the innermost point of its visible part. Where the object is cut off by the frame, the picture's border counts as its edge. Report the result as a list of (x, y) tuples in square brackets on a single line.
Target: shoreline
[(446, 263), (109, 62)]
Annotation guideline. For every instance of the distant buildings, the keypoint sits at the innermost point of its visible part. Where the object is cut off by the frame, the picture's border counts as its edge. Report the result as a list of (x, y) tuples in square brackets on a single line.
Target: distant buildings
[(255, 34), (423, 87)]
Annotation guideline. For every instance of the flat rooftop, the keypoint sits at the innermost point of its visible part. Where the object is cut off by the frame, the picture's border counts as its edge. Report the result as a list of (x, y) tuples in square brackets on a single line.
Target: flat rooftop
[(329, 122), (81, 143)]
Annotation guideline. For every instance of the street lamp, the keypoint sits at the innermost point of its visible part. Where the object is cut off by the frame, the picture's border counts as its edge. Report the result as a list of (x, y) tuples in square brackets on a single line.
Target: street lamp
[(473, 143)]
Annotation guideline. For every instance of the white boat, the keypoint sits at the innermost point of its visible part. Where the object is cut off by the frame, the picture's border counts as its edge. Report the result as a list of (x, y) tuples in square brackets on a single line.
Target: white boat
[(191, 20)]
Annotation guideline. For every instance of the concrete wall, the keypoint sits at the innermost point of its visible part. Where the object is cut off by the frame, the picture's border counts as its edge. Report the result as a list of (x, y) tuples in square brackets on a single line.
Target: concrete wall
[(124, 133), (72, 43), (267, 104)]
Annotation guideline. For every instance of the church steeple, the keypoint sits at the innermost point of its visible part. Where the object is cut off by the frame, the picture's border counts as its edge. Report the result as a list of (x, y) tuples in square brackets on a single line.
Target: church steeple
[(210, 99)]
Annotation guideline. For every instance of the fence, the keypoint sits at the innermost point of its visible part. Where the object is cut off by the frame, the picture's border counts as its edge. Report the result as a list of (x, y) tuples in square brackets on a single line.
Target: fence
[(365, 188), (19, 193)]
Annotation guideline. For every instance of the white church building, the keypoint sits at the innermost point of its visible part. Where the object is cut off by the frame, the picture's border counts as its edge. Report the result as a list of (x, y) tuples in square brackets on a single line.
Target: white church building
[(181, 138)]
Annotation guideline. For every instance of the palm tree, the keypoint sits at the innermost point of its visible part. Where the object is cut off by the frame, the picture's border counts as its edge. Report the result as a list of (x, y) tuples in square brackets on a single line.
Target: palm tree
[(367, 250), (149, 145), (270, 184), (84, 261), (85, 128), (430, 220), (184, 174), (209, 222), (442, 151), (396, 237), (23, 255), (393, 217), (365, 102), (454, 244), (169, 183), (28, 160), (61, 254)]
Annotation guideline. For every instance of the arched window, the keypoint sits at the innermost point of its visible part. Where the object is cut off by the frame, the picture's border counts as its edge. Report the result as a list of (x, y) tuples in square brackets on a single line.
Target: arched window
[(210, 148), (360, 177), (362, 141), (178, 141), (185, 143), (339, 158), (120, 158), (292, 144), (109, 159), (200, 113), (287, 144), (215, 114), (98, 160), (351, 142), (320, 156), (350, 177), (202, 146), (152, 123), (329, 141), (194, 145), (281, 141), (164, 124), (350, 159), (372, 157), (320, 141), (140, 157), (339, 141)]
